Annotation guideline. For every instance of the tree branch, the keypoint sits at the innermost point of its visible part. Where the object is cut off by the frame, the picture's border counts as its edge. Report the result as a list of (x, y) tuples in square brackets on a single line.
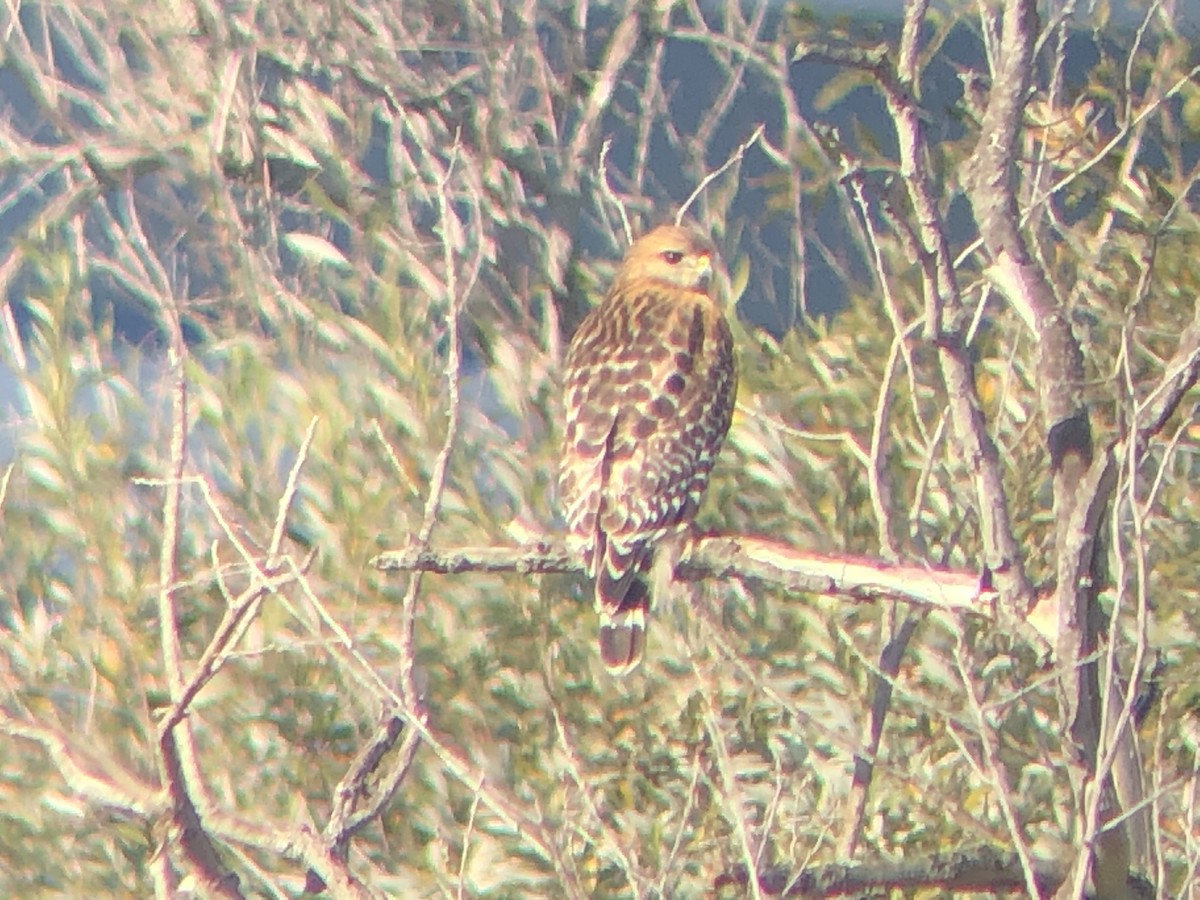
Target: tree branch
[(752, 559), (978, 869)]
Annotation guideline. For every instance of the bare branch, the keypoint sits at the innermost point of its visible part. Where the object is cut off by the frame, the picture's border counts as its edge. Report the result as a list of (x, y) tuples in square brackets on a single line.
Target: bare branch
[(607, 190), (864, 762), (748, 558), (943, 299), (734, 157), (727, 785), (1180, 376), (450, 235), (973, 869), (90, 775)]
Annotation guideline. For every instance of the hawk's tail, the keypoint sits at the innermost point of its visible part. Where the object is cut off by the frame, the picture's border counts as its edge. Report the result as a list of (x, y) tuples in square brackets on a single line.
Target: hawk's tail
[(623, 602)]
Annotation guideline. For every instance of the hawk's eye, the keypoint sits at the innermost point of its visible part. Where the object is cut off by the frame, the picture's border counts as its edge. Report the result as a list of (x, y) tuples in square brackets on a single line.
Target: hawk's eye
[(673, 257)]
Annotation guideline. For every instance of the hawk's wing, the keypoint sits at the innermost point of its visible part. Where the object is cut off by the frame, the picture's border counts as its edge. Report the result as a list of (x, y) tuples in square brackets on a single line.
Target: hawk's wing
[(650, 384)]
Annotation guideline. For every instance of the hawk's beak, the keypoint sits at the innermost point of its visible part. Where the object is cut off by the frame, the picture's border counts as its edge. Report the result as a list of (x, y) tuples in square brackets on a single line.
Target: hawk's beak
[(704, 270)]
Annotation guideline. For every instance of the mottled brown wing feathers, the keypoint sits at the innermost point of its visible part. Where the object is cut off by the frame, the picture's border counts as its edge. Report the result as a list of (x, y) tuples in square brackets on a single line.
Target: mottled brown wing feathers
[(622, 603), (649, 396)]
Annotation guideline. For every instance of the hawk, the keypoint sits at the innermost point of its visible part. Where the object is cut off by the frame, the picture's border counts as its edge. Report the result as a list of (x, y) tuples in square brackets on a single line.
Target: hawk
[(649, 389)]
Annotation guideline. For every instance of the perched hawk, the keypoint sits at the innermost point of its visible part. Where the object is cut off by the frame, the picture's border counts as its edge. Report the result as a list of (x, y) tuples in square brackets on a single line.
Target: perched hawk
[(649, 389)]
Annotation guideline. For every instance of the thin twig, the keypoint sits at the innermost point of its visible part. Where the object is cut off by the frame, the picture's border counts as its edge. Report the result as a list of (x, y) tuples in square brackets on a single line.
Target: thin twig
[(994, 773), (437, 479), (612, 839), (712, 176), (606, 189), (864, 765), (466, 843), (684, 816), (289, 493), (731, 796)]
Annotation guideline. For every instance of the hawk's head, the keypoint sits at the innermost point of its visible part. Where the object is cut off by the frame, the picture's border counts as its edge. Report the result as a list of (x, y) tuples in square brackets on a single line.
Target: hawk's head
[(673, 254)]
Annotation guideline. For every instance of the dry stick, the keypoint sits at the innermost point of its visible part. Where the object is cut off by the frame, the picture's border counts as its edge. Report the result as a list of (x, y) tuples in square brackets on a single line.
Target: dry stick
[(731, 796), (1157, 767), (1025, 291), (688, 803), (270, 884), (289, 494), (714, 642), (259, 576), (994, 772), (568, 876), (910, 37), (991, 187), (612, 838), (1117, 753), (1191, 807), (804, 864), (179, 765), (1122, 757), (922, 487), (983, 869), (162, 877), (466, 845), (465, 772), (878, 484), (1040, 165), (902, 331), (1180, 375), (239, 612), (90, 775), (178, 758), (610, 195), (1187, 798), (845, 438), (1023, 288), (732, 68), (1082, 528), (893, 651), (966, 415), (242, 610), (650, 104), (4, 479), (795, 127), (612, 841), (1168, 455), (437, 479), (299, 843), (620, 48), (943, 296), (168, 613), (758, 560), (712, 176), (508, 812), (864, 766), (347, 816), (768, 820)]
